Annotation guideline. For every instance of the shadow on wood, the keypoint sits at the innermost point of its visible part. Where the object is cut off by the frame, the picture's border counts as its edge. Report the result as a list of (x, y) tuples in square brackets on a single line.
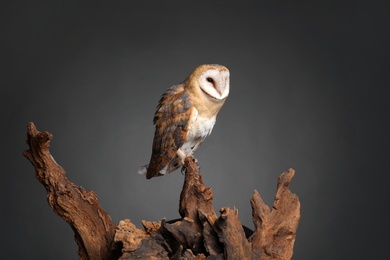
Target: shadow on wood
[(199, 234)]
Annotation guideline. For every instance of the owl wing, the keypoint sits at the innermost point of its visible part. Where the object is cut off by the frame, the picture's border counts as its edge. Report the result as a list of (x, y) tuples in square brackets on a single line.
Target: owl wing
[(172, 117)]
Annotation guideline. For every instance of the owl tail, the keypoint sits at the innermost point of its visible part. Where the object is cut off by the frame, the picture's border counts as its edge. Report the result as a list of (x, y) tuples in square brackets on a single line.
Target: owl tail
[(172, 166), (143, 170)]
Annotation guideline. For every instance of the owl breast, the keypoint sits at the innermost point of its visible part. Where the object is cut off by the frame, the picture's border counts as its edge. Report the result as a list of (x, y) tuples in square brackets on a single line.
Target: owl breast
[(198, 130)]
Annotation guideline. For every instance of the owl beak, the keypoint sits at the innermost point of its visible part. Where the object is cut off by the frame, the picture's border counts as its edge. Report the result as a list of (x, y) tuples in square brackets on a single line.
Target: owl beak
[(219, 90)]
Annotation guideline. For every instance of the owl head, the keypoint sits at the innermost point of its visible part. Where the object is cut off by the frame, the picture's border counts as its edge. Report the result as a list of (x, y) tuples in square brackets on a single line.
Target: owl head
[(210, 81)]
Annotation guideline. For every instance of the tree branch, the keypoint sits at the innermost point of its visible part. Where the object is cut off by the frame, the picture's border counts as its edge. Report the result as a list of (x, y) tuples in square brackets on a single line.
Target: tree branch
[(93, 227)]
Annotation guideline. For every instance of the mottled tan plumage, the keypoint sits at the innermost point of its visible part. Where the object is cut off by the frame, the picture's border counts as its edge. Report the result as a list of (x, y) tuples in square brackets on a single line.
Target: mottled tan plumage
[(185, 116)]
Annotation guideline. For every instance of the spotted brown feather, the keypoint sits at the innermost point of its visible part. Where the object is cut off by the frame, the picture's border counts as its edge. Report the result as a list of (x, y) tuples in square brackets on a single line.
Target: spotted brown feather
[(171, 119)]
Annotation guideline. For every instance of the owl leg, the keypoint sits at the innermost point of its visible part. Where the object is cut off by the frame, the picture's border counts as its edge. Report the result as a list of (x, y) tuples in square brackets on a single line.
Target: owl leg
[(181, 155), (194, 149)]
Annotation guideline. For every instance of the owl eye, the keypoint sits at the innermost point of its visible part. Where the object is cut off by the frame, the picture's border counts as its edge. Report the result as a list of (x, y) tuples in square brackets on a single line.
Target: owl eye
[(210, 80)]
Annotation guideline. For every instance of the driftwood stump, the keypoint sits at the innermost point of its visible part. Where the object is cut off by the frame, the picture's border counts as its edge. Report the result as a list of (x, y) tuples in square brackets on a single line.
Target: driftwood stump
[(199, 234)]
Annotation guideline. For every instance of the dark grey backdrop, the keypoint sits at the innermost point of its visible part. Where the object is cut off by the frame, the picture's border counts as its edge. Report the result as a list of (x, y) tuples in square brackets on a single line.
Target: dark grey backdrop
[(307, 91)]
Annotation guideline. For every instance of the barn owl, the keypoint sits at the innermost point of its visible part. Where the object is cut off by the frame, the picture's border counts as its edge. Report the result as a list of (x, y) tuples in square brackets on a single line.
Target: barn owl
[(185, 116)]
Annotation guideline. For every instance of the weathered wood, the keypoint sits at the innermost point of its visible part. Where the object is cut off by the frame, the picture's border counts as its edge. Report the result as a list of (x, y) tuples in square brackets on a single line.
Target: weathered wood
[(137, 243), (275, 229), (231, 234), (194, 230), (93, 227), (199, 234)]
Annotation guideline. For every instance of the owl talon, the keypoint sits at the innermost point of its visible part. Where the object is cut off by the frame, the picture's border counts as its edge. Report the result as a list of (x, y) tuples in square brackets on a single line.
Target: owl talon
[(195, 160)]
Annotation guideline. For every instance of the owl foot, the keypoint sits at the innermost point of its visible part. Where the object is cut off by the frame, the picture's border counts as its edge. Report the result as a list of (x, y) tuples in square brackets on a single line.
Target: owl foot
[(183, 170), (195, 160)]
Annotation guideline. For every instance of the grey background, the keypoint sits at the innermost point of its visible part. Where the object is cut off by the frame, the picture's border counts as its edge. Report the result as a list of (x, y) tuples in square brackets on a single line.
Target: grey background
[(308, 85)]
